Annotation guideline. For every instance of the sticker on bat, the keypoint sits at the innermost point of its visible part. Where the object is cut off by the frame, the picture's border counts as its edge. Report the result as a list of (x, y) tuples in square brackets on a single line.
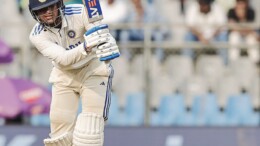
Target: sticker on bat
[(94, 9)]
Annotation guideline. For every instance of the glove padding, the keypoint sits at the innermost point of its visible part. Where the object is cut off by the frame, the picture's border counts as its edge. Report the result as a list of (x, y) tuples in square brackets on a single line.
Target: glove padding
[(102, 42)]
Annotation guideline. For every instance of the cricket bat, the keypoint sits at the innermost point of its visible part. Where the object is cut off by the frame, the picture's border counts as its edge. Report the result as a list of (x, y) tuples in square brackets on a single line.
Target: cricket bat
[(94, 13)]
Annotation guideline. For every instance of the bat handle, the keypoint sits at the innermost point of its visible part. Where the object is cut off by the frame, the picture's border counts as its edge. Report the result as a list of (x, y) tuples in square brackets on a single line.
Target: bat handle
[(93, 28), (106, 61)]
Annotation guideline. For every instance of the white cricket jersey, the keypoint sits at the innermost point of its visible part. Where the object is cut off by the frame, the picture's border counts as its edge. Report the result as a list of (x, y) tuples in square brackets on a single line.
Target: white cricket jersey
[(64, 46)]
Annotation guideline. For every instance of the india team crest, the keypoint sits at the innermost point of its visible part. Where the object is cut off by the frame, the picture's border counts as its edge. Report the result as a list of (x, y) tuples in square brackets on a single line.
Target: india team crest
[(42, 1), (71, 33)]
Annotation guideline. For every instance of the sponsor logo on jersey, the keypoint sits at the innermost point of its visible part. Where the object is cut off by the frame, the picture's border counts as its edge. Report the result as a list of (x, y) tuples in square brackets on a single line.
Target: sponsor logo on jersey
[(71, 33), (73, 46)]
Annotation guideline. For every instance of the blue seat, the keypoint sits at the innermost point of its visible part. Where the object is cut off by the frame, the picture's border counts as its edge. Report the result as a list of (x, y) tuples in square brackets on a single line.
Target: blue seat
[(113, 114), (171, 109), (198, 110), (240, 110), (166, 111), (252, 119), (116, 116), (179, 108), (219, 119), (154, 118), (186, 119), (247, 115), (231, 110), (135, 109), (205, 109)]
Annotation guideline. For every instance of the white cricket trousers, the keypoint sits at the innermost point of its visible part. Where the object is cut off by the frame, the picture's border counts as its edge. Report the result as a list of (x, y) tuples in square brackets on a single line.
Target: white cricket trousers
[(92, 85)]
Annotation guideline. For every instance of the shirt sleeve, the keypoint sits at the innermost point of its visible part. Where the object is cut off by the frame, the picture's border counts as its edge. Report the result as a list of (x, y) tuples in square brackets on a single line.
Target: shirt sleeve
[(221, 18), (191, 16), (57, 53), (85, 18)]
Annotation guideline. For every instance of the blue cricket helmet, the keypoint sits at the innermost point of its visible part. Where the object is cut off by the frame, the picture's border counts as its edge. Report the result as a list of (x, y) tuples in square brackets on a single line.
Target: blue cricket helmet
[(35, 5)]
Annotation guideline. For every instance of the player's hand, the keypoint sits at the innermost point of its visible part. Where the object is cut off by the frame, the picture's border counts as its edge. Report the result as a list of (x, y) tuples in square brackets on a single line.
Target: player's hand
[(96, 36), (108, 50), (99, 39)]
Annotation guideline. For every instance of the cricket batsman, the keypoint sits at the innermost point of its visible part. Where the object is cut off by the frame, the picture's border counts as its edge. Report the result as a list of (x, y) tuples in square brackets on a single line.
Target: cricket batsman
[(80, 52)]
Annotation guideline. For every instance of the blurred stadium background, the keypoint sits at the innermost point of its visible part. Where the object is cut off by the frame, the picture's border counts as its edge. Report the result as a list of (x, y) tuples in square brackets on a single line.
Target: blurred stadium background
[(163, 93)]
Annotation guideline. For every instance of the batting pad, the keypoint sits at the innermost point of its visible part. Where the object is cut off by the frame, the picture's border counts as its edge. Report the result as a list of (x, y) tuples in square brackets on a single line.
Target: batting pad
[(89, 130), (63, 140)]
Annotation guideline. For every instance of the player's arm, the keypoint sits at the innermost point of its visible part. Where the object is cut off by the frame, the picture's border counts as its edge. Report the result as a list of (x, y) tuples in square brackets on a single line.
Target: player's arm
[(57, 53), (92, 41)]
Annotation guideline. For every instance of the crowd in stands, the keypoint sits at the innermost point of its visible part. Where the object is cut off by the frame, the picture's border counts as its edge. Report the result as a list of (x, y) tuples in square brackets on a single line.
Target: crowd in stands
[(212, 86)]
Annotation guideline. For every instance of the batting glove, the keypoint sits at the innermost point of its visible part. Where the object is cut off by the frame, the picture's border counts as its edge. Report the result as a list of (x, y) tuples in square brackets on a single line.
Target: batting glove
[(99, 39)]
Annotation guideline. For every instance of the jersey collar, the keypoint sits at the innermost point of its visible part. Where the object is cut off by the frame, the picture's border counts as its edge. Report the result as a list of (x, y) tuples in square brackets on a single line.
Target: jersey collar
[(64, 22), (63, 25)]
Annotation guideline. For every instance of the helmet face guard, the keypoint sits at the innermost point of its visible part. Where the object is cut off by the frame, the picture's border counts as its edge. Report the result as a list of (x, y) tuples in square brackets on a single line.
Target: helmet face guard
[(37, 5)]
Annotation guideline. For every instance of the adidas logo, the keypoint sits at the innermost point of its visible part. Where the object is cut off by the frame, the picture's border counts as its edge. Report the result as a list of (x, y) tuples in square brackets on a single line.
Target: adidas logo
[(103, 83)]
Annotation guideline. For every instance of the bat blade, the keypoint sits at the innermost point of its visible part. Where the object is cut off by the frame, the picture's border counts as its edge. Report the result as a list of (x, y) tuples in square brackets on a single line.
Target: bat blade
[(93, 10)]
